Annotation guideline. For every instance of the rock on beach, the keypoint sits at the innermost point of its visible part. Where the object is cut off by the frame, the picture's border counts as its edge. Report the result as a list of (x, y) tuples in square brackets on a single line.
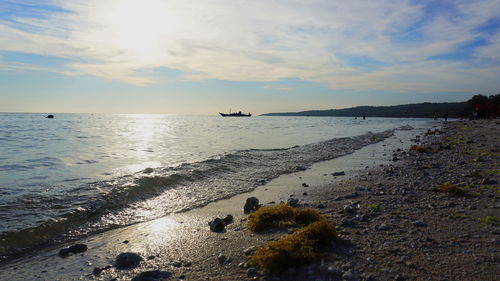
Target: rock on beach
[(77, 248), (252, 204), (127, 260)]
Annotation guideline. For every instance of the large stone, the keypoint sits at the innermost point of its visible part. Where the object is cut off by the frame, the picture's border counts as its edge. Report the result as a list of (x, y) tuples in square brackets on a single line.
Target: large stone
[(252, 204), (77, 248), (153, 275), (217, 225), (127, 260)]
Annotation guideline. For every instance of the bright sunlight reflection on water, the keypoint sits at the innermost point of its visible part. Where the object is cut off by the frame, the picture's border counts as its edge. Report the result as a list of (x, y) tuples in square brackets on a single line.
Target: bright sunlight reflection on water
[(143, 133)]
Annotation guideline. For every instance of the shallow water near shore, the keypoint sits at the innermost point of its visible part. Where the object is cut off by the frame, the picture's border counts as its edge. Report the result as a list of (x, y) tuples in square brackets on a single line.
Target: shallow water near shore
[(79, 173), (184, 235)]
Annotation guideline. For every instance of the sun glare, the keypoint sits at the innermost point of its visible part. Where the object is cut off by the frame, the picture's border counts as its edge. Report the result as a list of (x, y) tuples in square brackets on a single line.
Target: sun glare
[(138, 28)]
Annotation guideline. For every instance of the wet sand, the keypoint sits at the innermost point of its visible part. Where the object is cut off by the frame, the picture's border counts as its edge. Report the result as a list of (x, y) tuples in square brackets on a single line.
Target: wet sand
[(416, 233)]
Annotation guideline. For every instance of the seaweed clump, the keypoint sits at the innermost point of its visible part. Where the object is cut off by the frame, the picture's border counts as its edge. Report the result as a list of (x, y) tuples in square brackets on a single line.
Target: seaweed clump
[(299, 248), (281, 216), (453, 190), (490, 219)]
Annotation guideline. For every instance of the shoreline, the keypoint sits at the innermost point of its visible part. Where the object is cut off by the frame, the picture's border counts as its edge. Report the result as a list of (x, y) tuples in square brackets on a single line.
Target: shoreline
[(393, 243), (211, 188)]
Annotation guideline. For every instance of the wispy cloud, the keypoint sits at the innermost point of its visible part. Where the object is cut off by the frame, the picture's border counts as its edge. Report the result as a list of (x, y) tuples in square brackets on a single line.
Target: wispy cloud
[(270, 87), (360, 45)]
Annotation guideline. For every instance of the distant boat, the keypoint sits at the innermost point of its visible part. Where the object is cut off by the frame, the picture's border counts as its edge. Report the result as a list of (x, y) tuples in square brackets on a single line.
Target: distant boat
[(235, 114)]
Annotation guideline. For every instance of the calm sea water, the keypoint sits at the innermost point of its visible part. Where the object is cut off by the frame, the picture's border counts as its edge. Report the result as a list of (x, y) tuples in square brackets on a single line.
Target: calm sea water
[(80, 173)]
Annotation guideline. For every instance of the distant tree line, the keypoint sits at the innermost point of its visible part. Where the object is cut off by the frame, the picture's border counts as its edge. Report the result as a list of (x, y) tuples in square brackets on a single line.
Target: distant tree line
[(479, 106), (418, 110), (482, 107)]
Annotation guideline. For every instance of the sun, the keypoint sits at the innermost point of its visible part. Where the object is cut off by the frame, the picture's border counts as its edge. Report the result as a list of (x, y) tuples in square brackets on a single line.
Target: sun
[(139, 27)]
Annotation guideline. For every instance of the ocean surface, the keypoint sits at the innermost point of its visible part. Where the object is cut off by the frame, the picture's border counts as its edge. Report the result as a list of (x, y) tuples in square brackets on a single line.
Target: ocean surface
[(78, 174)]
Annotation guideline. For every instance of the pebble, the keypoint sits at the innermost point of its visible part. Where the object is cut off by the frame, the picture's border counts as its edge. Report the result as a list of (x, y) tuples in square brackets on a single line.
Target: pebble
[(351, 195), (221, 259), (350, 275), (350, 209), (249, 250), (418, 223), (97, 271), (400, 277), (360, 188), (383, 227), (293, 202), (348, 222), (251, 272)]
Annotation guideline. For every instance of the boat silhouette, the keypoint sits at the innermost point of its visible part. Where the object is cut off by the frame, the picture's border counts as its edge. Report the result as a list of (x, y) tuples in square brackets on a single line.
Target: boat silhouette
[(235, 114)]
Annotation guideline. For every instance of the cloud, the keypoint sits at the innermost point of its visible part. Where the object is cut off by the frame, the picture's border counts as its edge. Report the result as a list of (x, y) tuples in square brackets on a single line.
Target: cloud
[(270, 87), (337, 43)]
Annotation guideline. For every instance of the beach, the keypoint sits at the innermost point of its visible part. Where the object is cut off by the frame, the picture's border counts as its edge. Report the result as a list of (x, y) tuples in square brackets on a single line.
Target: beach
[(398, 226)]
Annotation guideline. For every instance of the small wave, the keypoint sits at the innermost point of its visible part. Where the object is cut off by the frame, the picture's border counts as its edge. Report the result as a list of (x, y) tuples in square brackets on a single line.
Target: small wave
[(270, 149), (44, 159), (76, 179), (14, 167), (405, 128), (88, 161), (44, 162)]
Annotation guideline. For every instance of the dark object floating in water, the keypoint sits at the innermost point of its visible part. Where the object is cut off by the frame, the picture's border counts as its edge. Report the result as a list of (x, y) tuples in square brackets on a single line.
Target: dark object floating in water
[(77, 248), (50, 116), (235, 114)]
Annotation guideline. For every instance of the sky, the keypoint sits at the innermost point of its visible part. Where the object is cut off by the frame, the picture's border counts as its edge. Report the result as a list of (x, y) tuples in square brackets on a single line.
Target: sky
[(259, 56)]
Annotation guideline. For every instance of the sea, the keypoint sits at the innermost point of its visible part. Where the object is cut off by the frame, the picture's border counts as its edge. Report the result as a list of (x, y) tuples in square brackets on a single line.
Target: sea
[(79, 174)]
